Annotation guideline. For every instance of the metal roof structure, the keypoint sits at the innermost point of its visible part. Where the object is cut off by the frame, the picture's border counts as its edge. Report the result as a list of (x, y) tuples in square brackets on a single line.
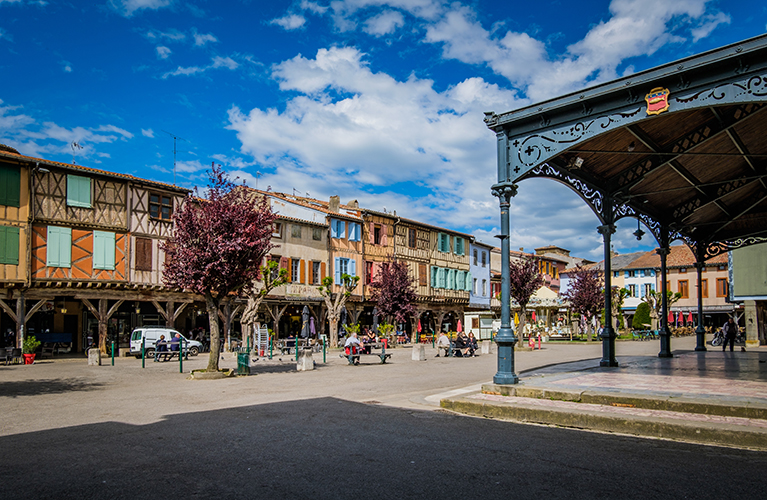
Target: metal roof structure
[(680, 146)]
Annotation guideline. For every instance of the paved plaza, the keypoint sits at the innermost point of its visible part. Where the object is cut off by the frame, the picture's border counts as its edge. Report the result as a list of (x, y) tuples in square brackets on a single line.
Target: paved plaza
[(75, 431)]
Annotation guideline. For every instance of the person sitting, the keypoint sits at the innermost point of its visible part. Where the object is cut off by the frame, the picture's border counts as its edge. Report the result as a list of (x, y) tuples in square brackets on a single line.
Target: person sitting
[(175, 342), (367, 342), (459, 344), (160, 346), (352, 346), (443, 343), (471, 345)]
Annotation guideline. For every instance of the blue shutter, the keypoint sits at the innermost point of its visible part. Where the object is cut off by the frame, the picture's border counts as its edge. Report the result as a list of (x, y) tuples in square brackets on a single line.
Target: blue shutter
[(441, 279), (78, 191), (333, 228), (103, 250), (354, 231), (641, 273), (468, 282), (434, 276), (641, 291), (341, 229), (626, 275), (337, 270), (352, 267), (59, 247)]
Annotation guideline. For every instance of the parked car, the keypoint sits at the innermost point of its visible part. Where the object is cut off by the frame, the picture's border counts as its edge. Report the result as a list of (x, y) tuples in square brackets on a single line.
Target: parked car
[(150, 335)]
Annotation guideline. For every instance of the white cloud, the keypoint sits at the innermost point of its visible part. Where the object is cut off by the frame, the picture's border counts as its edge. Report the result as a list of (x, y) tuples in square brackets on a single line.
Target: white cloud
[(709, 24), (382, 132), (4, 35), (191, 167), (163, 52), (200, 39), (172, 35), (117, 130), (66, 66), (216, 62), (384, 23), (129, 7), (147, 132), (289, 22), (312, 7)]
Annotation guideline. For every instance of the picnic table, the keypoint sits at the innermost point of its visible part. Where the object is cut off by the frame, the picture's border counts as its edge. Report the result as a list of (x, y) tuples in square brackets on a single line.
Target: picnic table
[(353, 353)]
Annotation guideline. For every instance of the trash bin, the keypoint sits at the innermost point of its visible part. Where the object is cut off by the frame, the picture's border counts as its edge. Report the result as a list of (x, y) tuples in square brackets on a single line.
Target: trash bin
[(243, 363)]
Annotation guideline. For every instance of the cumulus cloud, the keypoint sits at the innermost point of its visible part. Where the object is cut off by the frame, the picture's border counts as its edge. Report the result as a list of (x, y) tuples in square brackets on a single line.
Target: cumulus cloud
[(172, 35), (384, 23), (216, 62), (129, 7), (710, 23), (289, 22), (147, 132), (163, 52)]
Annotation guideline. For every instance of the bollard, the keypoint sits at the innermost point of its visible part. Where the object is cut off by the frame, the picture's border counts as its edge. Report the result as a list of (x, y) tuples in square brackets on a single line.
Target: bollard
[(181, 355), (113, 353), (143, 352), (271, 345), (248, 345), (324, 351), (539, 341)]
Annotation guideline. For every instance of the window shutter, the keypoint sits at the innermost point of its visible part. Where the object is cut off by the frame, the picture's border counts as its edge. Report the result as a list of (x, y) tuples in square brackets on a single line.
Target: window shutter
[(323, 271), (371, 235), (433, 276), (78, 191), (143, 254), (352, 232), (103, 250), (341, 229), (422, 278), (352, 267), (10, 185), (9, 245), (337, 270), (626, 274), (333, 228), (302, 271), (641, 291), (641, 273), (468, 281), (384, 236), (52, 244), (284, 263), (442, 277)]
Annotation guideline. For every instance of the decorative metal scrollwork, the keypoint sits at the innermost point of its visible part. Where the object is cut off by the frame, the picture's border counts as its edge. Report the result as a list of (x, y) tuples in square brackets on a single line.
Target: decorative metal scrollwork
[(720, 247), (590, 194)]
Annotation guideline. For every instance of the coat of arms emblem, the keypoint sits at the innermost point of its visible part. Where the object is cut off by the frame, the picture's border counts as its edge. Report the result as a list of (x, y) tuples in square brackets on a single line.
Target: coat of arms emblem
[(657, 101)]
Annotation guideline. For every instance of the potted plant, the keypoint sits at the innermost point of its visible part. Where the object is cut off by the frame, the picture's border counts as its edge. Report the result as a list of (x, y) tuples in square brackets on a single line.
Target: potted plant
[(28, 348)]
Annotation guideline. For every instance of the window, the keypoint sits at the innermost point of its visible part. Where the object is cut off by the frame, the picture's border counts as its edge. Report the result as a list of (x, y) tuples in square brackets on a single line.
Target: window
[(475, 286), (684, 289), (317, 234), (78, 191), (295, 270), (103, 250), (460, 280), (377, 234), (59, 247), (704, 288), (355, 231), (484, 288), (434, 276), (160, 207), (368, 272), (276, 271), (683, 270), (442, 278), (721, 287), (632, 274), (648, 287), (411, 238), (143, 254), (443, 243), (475, 256), (9, 245), (277, 232), (295, 231), (484, 259), (337, 228), (422, 276), (10, 185), (459, 243), (633, 290), (722, 268), (316, 276), (615, 274), (344, 266)]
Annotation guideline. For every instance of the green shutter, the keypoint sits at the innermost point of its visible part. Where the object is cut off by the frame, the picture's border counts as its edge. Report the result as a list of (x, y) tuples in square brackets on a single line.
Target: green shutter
[(468, 282), (59, 247), (9, 245), (10, 185), (103, 250), (78, 191), (434, 276)]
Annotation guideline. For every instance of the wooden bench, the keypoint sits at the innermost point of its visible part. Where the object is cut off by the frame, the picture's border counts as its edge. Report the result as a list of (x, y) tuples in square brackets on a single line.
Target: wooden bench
[(47, 350), (168, 355), (354, 357)]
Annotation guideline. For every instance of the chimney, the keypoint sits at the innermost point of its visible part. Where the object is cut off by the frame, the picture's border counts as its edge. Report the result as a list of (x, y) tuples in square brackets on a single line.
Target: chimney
[(353, 204), (335, 201)]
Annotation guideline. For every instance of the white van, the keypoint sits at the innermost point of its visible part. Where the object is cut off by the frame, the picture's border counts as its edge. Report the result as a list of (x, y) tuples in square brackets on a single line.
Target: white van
[(151, 334)]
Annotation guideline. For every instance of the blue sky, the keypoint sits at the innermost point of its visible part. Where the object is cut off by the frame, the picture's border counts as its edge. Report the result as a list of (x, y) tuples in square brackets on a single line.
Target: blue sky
[(376, 100)]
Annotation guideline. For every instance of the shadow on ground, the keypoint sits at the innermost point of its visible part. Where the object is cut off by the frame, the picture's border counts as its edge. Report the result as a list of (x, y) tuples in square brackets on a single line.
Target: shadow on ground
[(332, 448), (39, 387)]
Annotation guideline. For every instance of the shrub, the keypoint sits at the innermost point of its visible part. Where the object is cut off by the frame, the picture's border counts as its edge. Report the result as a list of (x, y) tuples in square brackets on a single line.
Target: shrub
[(641, 316)]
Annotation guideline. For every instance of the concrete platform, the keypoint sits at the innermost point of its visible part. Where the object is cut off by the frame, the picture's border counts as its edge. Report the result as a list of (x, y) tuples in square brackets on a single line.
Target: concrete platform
[(713, 397)]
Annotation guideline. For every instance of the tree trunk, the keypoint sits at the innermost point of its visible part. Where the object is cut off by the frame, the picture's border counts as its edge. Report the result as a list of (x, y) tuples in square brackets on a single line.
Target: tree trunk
[(521, 325), (333, 334), (211, 305)]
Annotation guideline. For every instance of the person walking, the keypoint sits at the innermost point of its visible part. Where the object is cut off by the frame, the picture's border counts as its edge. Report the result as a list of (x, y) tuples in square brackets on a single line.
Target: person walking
[(730, 330)]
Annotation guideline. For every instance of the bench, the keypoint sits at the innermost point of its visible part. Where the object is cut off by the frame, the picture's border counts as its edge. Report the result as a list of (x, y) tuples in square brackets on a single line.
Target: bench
[(354, 355), (47, 350), (168, 355)]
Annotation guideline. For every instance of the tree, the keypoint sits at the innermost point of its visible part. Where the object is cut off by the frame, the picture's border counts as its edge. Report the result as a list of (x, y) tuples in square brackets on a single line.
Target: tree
[(641, 316), (271, 277), (216, 247), (393, 291), (524, 281), (335, 304), (585, 294), (655, 300), (618, 297)]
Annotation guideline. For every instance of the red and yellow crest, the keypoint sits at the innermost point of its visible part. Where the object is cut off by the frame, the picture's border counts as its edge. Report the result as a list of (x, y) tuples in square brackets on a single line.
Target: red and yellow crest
[(657, 101)]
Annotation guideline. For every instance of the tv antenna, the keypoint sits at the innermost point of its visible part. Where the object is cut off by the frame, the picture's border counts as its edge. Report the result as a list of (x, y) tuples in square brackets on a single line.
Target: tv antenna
[(75, 146), (174, 152)]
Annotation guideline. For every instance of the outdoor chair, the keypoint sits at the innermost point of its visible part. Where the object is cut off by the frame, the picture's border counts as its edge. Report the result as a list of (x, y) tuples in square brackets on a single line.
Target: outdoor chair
[(16, 355), (6, 355)]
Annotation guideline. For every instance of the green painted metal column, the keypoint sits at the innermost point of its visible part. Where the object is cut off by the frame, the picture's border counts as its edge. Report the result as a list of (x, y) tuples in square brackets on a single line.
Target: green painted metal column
[(505, 338), (665, 333), (608, 332), (700, 263)]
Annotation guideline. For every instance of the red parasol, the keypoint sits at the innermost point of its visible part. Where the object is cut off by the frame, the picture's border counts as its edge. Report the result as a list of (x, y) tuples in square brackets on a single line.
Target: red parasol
[(679, 319), (670, 317), (459, 328), (689, 317), (418, 328), (533, 316)]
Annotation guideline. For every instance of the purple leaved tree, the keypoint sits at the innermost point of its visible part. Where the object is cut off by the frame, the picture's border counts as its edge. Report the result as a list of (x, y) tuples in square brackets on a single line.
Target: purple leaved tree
[(393, 291), (217, 245), (524, 281), (585, 294)]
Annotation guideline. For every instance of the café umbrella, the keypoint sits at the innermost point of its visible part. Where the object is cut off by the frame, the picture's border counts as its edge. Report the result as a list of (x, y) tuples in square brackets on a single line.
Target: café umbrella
[(689, 318), (459, 327)]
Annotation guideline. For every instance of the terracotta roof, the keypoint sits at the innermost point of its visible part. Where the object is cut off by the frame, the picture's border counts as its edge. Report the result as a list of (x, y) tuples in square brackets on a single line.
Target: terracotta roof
[(319, 205), (648, 260), (585, 266), (42, 161), (411, 221)]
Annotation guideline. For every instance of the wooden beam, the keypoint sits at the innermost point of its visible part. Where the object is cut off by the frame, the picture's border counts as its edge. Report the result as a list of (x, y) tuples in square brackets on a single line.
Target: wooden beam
[(8, 310), (90, 307)]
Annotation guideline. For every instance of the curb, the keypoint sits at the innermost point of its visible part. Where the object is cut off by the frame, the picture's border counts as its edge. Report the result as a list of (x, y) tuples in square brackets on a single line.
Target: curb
[(709, 433)]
